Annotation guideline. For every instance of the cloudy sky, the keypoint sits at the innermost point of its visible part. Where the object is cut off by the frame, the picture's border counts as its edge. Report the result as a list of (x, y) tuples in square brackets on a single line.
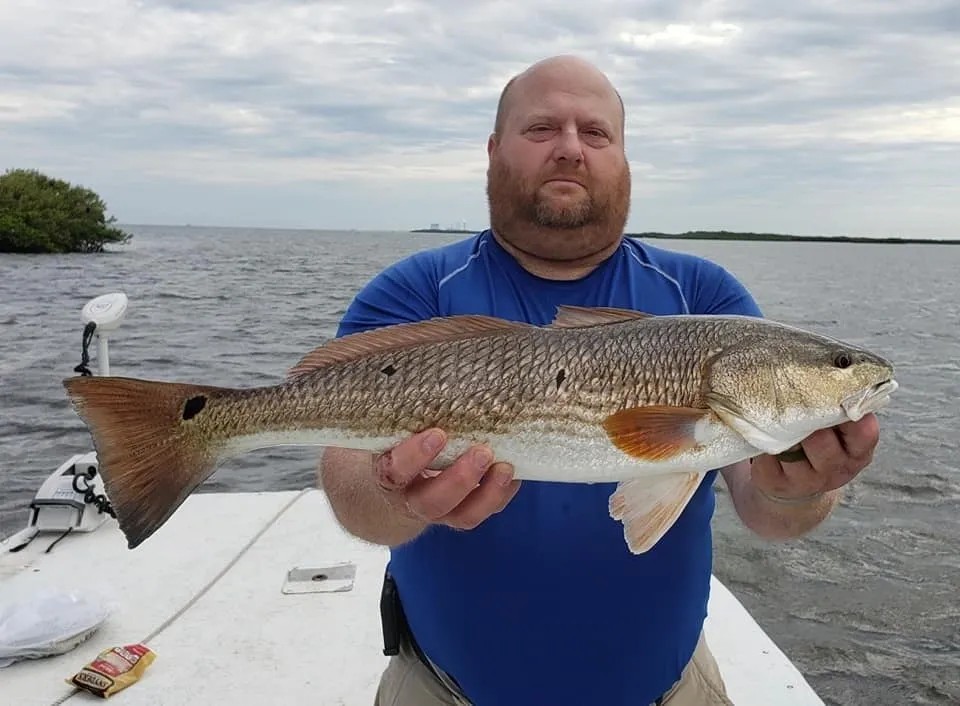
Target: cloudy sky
[(811, 116)]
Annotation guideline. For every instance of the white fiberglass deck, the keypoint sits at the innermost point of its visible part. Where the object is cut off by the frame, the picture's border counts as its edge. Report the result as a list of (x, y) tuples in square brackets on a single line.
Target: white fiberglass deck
[(205, 593)]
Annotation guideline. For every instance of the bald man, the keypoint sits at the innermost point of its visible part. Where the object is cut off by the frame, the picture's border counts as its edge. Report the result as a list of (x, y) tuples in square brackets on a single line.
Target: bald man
[(513, 596)]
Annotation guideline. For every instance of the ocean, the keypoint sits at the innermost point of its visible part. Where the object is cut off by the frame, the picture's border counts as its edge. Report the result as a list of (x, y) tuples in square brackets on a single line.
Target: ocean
[(867, 605)]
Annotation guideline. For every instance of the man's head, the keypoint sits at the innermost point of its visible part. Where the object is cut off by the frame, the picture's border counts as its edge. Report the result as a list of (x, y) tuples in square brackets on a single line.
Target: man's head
[(558, 181)]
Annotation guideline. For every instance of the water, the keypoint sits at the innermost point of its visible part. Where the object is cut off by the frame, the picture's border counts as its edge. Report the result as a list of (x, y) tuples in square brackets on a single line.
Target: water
[(867, 605)]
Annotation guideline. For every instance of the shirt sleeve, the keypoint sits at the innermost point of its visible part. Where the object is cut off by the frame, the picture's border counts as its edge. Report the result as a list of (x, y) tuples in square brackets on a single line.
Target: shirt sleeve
[(404, 292), (719, 292)]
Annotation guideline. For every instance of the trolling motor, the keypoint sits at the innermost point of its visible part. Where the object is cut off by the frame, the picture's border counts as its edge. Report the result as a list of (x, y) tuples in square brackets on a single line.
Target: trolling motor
[(101, 316), (73, 497)]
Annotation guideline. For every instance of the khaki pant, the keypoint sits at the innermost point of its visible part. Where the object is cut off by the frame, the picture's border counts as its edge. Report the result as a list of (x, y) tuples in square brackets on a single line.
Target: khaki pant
[(407, 682)]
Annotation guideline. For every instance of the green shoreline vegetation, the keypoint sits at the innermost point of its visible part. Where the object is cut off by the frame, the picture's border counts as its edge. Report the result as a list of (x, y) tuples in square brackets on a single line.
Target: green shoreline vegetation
[(40, 214), (734, 235)]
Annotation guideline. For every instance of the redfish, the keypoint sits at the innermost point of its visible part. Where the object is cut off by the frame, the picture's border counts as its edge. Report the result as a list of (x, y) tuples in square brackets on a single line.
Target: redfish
[(600, 395)]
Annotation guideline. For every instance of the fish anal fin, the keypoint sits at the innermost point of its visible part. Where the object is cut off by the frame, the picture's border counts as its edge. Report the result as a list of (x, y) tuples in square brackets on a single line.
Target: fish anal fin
[(657, 433), (401, 336), (569, 316), (649, 507)]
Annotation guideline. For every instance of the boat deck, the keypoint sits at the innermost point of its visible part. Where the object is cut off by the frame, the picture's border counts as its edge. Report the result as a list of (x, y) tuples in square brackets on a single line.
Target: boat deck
[(207, 594)]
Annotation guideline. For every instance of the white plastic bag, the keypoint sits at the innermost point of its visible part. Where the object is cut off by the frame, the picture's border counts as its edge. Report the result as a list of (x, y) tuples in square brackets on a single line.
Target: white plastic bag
[(47, 621)]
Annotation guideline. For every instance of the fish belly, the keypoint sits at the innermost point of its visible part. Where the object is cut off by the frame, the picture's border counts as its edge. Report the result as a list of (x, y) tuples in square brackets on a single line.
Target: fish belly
[(538, 450), (586, 454)]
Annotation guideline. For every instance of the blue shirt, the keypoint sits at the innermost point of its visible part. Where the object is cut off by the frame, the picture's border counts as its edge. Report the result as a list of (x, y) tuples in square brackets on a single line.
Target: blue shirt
[(543, 603)]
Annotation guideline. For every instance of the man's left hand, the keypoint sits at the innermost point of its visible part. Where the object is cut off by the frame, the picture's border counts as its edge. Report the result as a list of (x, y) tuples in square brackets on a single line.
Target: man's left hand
[(834, 457)]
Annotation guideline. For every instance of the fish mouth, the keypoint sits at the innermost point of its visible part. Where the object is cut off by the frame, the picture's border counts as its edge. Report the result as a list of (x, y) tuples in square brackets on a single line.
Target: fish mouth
[(869, 400)]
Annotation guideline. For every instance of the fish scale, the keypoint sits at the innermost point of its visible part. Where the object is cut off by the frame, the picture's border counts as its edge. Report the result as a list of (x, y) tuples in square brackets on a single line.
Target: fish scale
[(475, 385)]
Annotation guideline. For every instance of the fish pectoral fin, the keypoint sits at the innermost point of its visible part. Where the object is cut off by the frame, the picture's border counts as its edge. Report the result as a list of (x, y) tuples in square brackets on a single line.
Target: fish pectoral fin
[(569, 316), (658, 432), (648, 507), (401, 336)]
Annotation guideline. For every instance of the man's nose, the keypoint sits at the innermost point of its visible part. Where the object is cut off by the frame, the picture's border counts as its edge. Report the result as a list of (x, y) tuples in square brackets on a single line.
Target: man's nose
[(568, 146)]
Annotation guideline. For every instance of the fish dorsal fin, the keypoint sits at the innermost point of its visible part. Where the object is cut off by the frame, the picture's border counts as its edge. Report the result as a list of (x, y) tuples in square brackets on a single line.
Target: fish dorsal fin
[(580, 316), (400, 336)]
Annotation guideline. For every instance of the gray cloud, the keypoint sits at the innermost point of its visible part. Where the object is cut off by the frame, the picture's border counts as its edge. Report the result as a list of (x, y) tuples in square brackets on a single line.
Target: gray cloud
[(769, 105)]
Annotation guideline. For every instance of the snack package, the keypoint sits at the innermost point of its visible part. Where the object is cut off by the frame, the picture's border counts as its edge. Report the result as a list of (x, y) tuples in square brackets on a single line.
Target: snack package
[(113, 670)]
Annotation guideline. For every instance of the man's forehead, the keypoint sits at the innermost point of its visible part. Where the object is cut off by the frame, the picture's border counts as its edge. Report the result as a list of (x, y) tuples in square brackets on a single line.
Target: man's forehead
[(545, 99), (557, 83)]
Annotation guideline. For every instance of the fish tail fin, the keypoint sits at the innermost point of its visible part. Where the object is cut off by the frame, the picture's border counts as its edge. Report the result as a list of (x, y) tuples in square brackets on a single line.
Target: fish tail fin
[(149, 449)]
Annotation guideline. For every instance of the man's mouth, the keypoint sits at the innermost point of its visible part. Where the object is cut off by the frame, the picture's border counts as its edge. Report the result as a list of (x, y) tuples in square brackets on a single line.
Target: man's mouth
[(564, 180)]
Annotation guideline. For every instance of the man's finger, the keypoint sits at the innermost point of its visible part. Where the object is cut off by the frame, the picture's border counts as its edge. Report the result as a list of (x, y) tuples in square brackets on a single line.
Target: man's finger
[(496, 490), (398, 466), (824, 451), (795, 454), (786, 478), (860, 438), (435, 497)]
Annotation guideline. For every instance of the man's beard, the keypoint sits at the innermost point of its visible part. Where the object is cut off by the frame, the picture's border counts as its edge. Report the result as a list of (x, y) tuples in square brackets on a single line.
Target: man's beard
[(556, 231)]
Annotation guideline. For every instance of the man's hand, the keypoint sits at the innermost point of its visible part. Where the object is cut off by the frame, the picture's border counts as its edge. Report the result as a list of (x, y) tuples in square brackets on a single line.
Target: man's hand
[(833, 457), (781, 498), (463, 495)]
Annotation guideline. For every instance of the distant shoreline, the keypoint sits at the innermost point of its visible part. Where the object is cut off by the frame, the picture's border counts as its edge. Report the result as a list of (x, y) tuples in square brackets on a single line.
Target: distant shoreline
[(730, 235)]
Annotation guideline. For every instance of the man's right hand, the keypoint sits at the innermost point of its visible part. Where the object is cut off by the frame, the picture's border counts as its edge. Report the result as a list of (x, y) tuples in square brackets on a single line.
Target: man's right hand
[(462, 495)]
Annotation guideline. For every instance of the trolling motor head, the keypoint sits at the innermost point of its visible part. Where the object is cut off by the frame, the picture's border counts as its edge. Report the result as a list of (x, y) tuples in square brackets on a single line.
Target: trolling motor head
[(106, 311)]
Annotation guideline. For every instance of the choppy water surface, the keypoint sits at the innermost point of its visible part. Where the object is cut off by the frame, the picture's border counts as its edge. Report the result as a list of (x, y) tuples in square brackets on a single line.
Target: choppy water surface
[(868, 606)]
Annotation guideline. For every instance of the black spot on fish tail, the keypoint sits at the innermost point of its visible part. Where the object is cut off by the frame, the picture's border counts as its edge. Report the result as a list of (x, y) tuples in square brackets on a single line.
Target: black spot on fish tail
[(389, 370), (561, 376), (194, 406)]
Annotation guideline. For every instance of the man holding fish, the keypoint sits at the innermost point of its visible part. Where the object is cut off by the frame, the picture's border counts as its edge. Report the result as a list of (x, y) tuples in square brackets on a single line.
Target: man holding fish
[(524, 592), (533, 420)]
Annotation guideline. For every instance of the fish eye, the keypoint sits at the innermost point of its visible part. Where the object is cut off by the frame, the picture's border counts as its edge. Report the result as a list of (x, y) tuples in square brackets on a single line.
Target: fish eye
[(842, 360)]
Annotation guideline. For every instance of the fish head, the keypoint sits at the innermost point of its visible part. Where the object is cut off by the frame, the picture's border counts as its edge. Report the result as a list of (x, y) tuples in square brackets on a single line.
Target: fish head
[(778, 388)]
